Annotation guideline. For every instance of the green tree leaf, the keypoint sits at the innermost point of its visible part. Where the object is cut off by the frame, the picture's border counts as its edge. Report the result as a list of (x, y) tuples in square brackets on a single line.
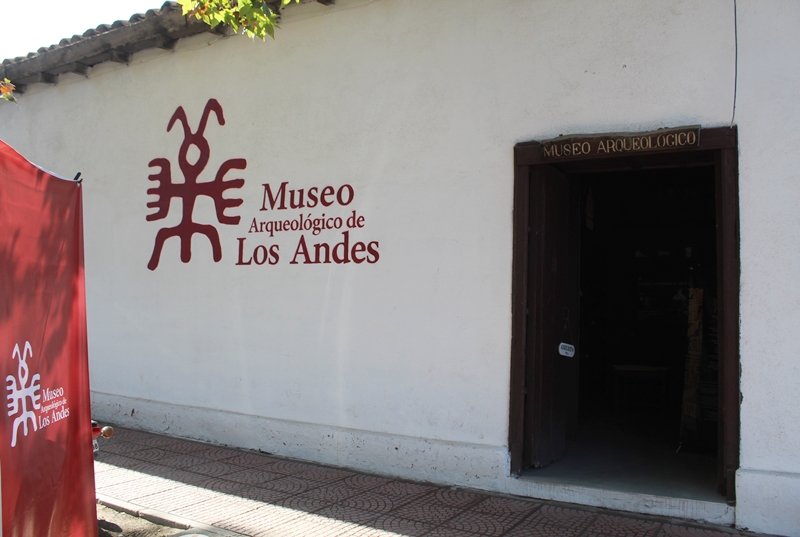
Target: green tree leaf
[(255, 18)]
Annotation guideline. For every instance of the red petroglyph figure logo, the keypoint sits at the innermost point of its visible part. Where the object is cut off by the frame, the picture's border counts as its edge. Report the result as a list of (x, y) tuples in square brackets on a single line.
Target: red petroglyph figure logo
[(190, 189)]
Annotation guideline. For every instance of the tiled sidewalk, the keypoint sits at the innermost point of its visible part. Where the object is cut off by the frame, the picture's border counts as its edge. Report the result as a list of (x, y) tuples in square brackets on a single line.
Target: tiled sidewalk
[(259, 495)]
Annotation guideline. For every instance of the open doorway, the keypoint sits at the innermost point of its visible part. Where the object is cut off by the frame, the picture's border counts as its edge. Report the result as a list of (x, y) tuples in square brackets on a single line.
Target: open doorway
[(647, 361), (634, 262)]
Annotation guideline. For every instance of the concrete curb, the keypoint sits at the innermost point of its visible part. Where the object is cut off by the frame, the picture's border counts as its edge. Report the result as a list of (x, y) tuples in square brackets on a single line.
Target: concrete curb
[(166, 519)]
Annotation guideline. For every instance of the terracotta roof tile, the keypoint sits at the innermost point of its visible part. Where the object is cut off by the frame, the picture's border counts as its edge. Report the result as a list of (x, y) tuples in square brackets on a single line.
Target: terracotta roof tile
[(108, 42), (96, 44)]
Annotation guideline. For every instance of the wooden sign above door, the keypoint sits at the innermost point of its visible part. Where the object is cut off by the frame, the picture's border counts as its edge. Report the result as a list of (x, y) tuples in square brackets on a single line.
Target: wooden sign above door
[(618, 144)]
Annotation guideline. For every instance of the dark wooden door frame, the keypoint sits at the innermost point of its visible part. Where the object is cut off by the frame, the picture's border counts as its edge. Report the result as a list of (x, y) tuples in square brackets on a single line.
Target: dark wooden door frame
[(717, 147)]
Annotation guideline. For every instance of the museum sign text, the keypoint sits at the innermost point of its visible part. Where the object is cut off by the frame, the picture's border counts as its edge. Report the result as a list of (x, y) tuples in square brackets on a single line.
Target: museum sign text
[(300, 214), (583, 146)]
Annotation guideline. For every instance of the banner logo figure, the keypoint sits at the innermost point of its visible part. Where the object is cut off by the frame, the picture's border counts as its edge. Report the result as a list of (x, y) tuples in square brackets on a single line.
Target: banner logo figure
[(21, 393), (190, 189)]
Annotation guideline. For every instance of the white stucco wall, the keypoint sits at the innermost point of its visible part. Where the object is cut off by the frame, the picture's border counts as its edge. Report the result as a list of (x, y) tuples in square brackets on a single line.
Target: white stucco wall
[(402, 366), (768, 112)]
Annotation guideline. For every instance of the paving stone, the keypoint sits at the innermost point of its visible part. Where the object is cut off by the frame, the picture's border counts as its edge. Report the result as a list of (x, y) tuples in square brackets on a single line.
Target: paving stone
[(551, 520), (327, 475), (332, 493), (225, 487), (504, 506), (617, 526), (176, 498), (671, 530), (303, 503), (273, 497), (402, 526), (374, 502), (290, 467), (131, 435), (553, 515), (254, 477), (348, 514), (260, 520), (186, 447), (216, 454), (153, 468), (150, 454), (401, 488), (176, 474), (180, 461), (251, 460), (144, 486), (542, 530), (265, 496), (121, 448), (426, 510), (100, 467), (162, 441), (366, 531), (456, 498), (215, 469), (449, 532), (367, 482), (118, 461), (308, 525), (483, 523), (217, 509), (290, 484), (114, 476)]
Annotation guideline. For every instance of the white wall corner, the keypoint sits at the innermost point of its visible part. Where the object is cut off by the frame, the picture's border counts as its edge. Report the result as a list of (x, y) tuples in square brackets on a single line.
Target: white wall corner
[(767, 502)]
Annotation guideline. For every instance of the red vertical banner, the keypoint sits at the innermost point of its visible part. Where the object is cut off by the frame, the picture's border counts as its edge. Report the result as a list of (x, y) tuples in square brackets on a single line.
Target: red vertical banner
[(46, 462)]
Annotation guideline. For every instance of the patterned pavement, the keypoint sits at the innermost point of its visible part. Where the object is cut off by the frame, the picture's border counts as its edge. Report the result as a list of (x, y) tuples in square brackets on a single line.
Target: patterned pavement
[(265, 496)]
